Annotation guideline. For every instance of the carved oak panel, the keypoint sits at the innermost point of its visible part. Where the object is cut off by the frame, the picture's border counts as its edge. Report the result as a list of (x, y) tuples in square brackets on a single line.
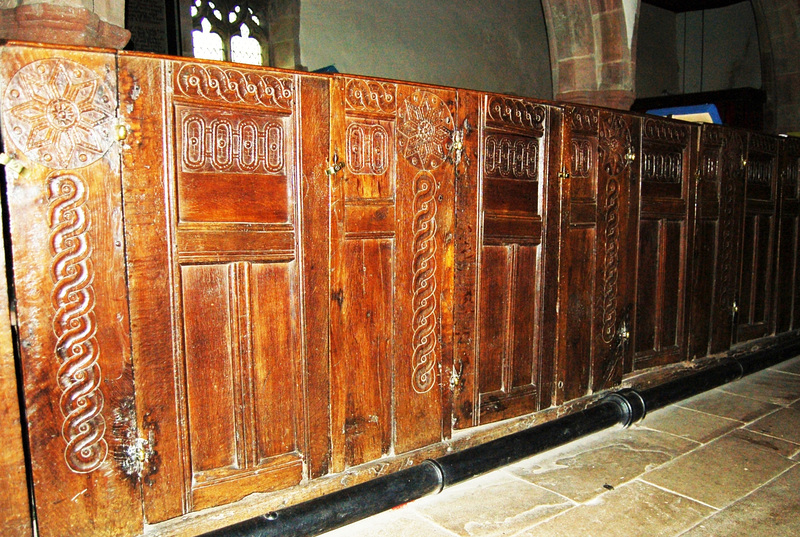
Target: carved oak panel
[(58, 112), (755, 301), (665, 228), (787, 288), (499, 368), (229, 406), (598, 228)]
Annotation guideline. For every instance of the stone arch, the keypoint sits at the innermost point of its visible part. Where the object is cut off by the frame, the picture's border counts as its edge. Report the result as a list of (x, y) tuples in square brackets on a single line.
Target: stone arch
[(778, 23), (590, 56)]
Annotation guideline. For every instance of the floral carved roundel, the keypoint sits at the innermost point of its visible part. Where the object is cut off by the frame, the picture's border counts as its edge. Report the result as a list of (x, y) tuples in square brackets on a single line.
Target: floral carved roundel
[(59, 113), (424, 130)]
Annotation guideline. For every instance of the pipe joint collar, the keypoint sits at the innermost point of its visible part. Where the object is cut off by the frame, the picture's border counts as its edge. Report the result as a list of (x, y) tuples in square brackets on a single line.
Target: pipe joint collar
[(631, 406)]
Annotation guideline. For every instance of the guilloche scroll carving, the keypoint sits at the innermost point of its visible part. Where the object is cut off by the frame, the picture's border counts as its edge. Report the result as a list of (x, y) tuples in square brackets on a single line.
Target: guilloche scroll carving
[(77, 349), (213, 83), (60, 113), (424, 296)]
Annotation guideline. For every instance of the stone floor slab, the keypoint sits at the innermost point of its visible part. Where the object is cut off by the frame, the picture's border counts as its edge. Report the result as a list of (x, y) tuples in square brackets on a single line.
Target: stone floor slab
[(635, 509), (770, 443), (690, 424), (593, 465), (720, 472), (771, 511), (727, 405), (789, 366), (402, 522), (492, 505), (770, 386), (783, 424)]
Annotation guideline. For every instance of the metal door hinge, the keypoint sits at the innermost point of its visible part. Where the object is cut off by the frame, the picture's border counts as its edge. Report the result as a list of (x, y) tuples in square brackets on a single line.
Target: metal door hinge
[(563, 174), (630, 156), (623, 332), (455, 377), (735, 308), (457, 145)]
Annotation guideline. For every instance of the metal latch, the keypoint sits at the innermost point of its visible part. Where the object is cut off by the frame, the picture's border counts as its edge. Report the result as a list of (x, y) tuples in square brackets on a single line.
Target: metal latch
[(455, 376), (12, 164), (336, 166), (623, 332)]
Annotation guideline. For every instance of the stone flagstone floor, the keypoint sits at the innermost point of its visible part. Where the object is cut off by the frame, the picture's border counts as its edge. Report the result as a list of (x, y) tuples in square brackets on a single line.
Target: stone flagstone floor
[(724, 463)]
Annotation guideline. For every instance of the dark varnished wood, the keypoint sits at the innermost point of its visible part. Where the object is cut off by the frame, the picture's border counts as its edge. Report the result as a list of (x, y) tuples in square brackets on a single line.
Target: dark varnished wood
[(787, 289), (666, 225), (757, 272)]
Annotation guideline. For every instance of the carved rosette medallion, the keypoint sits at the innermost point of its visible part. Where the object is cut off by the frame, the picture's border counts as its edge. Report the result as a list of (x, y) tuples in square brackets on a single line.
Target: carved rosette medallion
[(424, 129), (614, 143), (60, 113), (77, 349), (423, 300)]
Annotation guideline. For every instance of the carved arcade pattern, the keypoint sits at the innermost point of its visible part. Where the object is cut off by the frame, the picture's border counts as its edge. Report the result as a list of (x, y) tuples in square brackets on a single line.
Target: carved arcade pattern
[(60, 113), (516, 113), (244, 146), (367, 148), (424, 284), (582, 158), (514, 157), (662, 167), (424, 129), (370, 96), (214, 83), (759, 171), (77, 349)]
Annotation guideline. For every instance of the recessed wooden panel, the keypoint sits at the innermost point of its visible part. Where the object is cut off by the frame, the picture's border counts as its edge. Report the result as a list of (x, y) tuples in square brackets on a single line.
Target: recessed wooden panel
[(232, 166), (511, 196), (209, 366)]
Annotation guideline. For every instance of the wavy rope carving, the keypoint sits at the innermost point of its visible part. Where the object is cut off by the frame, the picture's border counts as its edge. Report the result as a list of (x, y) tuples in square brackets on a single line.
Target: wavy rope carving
[(516, 112), (370, 96), (214, 83), (611, 261), (77, 350), (424, 285)]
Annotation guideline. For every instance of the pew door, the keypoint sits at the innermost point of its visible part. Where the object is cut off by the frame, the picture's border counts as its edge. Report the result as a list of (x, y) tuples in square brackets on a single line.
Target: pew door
[(666, 214), (787, 288), (224, 167), (757, 277), (599, 198), (392, 185), (506, 247), (720, 194)]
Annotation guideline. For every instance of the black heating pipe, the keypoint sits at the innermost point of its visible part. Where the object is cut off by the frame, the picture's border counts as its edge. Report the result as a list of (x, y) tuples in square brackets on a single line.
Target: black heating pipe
[(623, 407)]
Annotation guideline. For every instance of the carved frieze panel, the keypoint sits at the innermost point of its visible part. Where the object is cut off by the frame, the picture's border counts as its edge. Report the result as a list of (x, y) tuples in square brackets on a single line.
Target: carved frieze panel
[(666, 132), (507, 112), (584, 120), (214, 83), (60, 113), (511, 157), (370, 96)]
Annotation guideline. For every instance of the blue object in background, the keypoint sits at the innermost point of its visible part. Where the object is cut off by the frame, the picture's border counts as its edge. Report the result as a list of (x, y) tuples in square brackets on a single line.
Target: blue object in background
[(695, 110)]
